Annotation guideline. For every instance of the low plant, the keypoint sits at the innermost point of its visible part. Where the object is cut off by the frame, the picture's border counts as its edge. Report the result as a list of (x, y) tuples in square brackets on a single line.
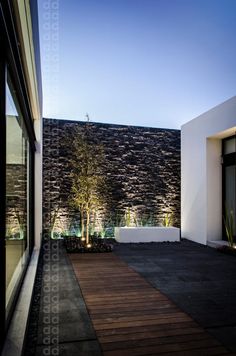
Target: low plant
[(102, 232), (143, 221), (136, 222), (21, 223), (229, 226), (65, 233), (119, 220), (147, 220), (92, 229), (127, 218), (78, 232), (110, 232), (167, 220)]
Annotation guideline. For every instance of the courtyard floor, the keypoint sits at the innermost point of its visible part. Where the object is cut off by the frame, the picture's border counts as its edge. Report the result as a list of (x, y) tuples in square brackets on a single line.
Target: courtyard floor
[(143, 299)]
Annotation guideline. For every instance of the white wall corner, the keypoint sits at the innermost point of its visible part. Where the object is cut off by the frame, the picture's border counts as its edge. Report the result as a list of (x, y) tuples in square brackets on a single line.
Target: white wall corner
[(201, 172), (193, 184), (214, 190)]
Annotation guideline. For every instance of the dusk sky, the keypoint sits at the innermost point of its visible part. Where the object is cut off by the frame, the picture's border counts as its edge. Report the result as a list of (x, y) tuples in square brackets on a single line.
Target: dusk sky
[(157, 63)]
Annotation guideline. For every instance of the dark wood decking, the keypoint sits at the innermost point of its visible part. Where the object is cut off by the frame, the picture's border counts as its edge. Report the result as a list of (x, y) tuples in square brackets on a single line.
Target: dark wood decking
[(131, 317)]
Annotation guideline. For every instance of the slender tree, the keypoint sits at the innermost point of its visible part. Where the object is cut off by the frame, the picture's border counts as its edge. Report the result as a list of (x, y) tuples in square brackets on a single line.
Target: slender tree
[(87, 177)]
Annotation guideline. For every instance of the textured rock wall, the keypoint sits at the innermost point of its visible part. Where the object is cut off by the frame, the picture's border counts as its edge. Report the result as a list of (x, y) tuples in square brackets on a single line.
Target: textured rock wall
[(16, 198), (142, 172)]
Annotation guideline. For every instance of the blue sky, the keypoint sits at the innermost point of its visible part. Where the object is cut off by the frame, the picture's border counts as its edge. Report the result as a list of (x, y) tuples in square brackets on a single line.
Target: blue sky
[(154, 63)]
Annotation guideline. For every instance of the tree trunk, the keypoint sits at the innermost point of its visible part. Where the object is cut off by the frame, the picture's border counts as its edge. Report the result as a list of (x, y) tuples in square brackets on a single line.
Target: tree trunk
[(87, 228), (82, 224)]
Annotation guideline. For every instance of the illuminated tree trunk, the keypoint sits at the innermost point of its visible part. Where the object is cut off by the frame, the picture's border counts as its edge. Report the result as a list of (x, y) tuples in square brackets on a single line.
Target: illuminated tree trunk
[(82, 223), (87, 227)]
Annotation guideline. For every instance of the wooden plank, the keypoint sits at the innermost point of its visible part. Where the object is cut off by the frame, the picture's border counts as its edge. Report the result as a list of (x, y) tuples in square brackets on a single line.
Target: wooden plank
[(168, 350), (131, 317), (134, 314), (127, 308), (115, 335), (155, 341), (168, 347)]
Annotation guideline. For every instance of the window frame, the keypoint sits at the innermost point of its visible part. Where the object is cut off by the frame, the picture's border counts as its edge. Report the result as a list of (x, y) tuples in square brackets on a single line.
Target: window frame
[(227, 160), (2, 186), (10, 57)]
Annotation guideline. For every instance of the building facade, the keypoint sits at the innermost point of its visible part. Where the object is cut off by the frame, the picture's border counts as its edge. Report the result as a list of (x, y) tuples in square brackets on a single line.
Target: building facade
[(208, 173), (20, 163)]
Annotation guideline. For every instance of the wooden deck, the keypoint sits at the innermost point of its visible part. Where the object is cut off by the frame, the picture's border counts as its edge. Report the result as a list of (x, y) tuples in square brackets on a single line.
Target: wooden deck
[(131, 317)]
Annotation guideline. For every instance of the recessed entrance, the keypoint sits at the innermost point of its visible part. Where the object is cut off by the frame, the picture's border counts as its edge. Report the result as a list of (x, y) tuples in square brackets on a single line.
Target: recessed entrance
[(229, 179)]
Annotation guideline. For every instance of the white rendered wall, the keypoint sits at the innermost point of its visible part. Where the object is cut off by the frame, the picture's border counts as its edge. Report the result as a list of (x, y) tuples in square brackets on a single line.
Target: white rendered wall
[(201, 182), (214, 189)]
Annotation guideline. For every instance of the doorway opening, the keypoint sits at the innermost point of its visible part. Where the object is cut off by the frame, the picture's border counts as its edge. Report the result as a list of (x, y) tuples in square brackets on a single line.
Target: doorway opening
[(229, 181)]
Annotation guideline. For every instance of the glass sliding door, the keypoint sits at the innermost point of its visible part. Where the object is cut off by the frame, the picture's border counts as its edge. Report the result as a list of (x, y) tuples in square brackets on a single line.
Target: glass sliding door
[(230, 191), (229, 179), (17, 195)]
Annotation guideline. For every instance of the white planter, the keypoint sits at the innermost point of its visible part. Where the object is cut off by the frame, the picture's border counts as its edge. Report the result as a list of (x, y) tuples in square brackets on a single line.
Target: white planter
[(147, 234)]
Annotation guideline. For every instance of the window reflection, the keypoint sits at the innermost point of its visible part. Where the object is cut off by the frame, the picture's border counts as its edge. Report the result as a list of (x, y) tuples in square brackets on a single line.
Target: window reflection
[(16, 194), (230, 145)]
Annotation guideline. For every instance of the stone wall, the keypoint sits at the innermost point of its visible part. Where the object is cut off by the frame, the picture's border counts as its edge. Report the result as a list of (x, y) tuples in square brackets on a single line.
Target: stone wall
[(142, 171), (16, 199)]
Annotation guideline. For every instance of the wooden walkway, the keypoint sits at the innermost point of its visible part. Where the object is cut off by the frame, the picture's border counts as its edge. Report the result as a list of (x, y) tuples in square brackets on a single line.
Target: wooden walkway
[(131, 317)]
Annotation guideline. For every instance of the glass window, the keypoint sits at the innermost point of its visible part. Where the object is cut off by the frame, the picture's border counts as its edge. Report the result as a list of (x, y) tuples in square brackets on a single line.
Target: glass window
[(230, 145), (230, 191), (17, 164)]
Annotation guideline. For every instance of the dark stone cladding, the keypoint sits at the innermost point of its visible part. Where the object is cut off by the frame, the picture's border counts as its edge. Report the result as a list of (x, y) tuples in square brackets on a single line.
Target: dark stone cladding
[(142, 169), (16, 197)]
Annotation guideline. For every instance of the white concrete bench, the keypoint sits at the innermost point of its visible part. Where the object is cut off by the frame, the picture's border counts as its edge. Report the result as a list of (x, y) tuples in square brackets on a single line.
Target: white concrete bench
[(147, 234)]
